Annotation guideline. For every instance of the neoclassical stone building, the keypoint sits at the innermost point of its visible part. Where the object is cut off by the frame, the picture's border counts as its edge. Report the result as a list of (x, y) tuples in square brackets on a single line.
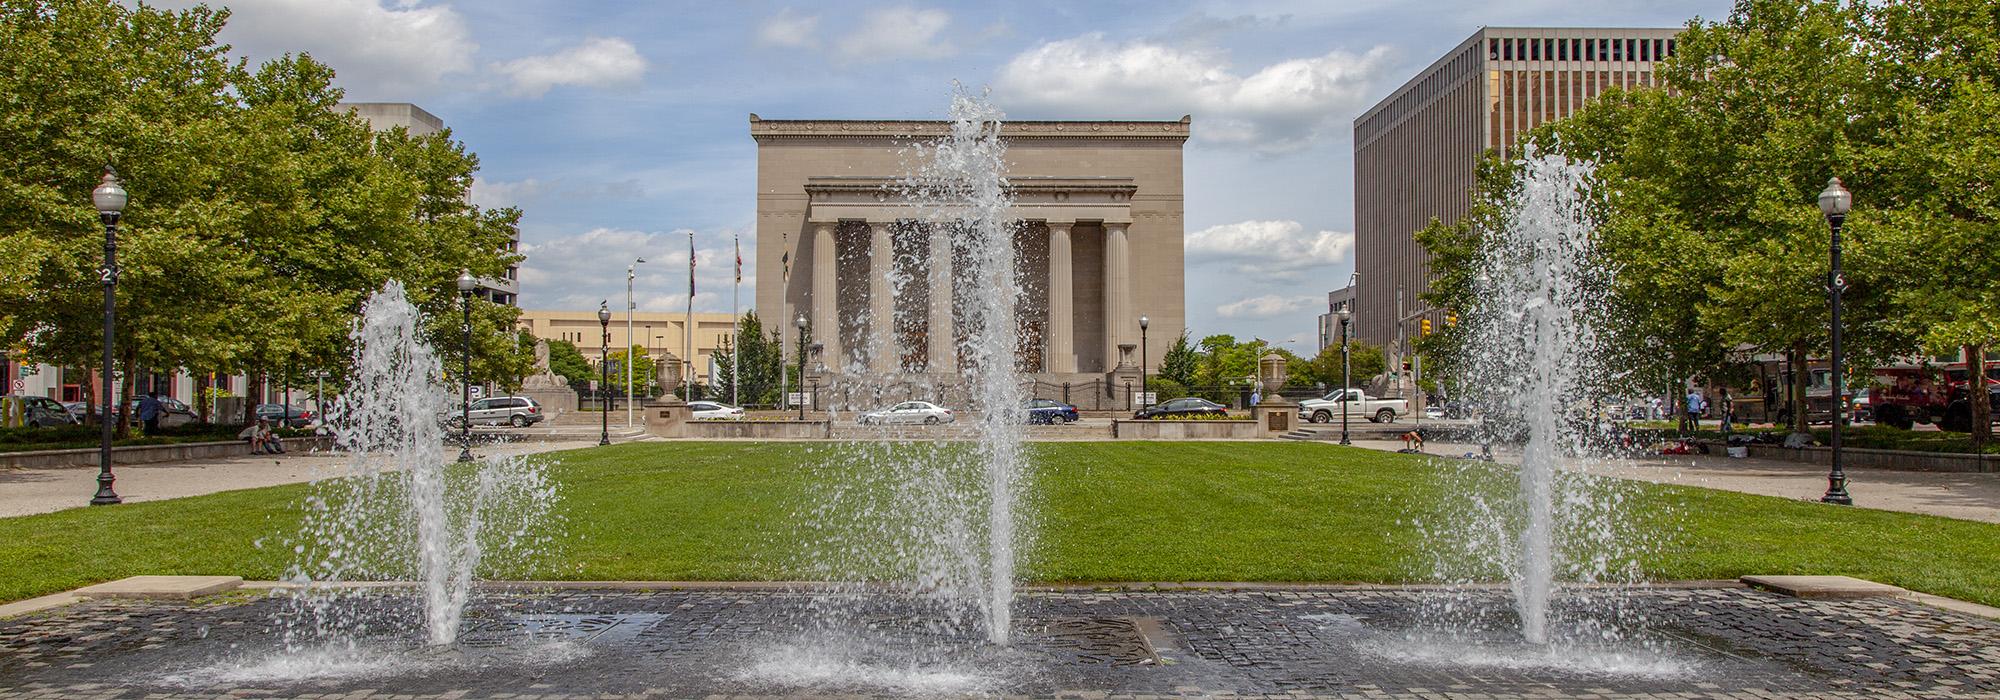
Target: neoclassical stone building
[(1099, 246)]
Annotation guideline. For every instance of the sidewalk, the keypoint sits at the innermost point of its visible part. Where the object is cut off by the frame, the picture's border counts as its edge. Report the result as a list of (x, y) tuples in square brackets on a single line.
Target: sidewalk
[(1952, 495), (30, 491)]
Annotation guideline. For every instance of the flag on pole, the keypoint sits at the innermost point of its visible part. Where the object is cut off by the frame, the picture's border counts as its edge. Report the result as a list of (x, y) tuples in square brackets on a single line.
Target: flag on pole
[(690, 267), (739, 259)]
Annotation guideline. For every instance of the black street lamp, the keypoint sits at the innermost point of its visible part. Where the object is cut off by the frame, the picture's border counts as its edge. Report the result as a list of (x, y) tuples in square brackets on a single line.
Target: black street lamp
[(604, 374), (1834, 203), (1142, 363), (802, 364), (1346, 372), (465, 286), (110, 199)]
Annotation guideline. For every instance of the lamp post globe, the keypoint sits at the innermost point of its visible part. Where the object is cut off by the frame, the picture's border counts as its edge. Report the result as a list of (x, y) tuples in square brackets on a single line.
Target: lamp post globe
[(109, 197), (1834, 202), (604, 375), (801, 322), (1346, 370)]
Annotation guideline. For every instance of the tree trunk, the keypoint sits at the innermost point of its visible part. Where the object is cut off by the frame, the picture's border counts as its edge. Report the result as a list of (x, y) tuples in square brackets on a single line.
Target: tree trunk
[(1801, 383), (89, 396), (252, 395), (200, 398), (1975, 391), (125, 412)]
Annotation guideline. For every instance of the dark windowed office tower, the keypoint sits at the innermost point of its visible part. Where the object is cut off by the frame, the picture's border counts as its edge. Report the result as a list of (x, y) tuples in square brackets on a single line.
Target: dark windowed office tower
[(1415, 152)]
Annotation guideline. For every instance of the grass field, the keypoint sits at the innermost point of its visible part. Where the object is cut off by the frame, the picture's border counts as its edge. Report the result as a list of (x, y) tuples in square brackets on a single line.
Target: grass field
[(1112, 511)]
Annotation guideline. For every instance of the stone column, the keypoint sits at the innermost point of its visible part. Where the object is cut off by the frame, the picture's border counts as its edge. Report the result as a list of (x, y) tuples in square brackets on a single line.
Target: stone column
[(1061, 352), (825, 312), (1118, 319), (882, 354), (943, 334)]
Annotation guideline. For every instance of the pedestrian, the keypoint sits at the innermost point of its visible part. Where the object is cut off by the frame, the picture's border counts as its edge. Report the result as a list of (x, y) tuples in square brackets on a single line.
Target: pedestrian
[(1255, 396), (1728, 411), (1658, 413), (149, 412), (1696, 406)]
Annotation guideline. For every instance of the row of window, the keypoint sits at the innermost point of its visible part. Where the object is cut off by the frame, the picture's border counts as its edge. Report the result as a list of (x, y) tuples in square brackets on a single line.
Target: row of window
[(1579, 49)]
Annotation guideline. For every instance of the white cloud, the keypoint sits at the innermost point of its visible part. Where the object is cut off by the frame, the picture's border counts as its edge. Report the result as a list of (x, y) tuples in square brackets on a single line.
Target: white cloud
[(516, 193), (897, 32), (575, 272), (1277, 108), (597, 62), (1265, 306), (787, 29), (394, 51), (1270, 247), (491, 194)]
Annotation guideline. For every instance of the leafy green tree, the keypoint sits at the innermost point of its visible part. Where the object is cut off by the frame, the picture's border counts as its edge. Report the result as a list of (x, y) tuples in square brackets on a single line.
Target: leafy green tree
[(642, 369), (762, 361), (567, 362), (1325, 368), (1181, 361)]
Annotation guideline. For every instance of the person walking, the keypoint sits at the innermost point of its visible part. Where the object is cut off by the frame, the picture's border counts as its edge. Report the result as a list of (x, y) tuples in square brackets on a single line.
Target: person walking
[(149, 412), (1728, 412)]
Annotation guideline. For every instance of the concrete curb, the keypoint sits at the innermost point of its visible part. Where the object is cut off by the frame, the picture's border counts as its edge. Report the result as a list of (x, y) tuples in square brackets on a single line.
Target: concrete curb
[(190, 587)]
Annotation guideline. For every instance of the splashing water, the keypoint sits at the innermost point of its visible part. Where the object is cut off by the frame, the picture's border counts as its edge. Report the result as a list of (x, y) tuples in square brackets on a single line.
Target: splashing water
[(1538, 334), (937, 517), (401, 510)]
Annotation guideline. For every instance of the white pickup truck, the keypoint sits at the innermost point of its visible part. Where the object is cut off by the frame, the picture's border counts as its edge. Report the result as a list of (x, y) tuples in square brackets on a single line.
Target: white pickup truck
[(1327, 408)]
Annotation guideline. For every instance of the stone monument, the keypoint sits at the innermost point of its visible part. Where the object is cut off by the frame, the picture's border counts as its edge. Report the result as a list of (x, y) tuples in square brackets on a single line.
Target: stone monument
[(1275, 412), (545, 386)]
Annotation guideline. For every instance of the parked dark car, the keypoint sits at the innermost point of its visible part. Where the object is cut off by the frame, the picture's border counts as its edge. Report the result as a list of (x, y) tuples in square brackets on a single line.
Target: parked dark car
[(298, 417), (1048, 411), (1181, 408), (42, 411)]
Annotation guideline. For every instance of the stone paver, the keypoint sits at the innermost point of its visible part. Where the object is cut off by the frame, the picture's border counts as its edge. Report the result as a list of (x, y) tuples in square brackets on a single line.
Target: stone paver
[(30, 491), (1374, 643), (1953, 495), (162, 587), (1823, 586)]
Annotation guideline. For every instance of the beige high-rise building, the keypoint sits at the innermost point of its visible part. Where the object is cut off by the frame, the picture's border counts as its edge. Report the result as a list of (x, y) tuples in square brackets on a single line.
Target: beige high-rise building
[(1100, 245), (1416, 151)]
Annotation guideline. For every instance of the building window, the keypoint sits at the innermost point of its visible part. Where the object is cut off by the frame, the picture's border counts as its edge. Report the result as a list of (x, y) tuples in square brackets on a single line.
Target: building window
[(1670, 47), (1508, 50), (1493, 49)]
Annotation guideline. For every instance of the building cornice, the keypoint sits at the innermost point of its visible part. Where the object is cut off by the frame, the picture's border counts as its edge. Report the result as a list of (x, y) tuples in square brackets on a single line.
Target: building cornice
[(767, 130)]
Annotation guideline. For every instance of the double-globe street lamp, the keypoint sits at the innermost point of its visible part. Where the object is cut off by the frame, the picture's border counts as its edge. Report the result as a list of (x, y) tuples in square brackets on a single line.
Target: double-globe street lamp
[(110, 199), (1346, 372), (802, 364), (1834, 202), (466, 284), (604, 375)]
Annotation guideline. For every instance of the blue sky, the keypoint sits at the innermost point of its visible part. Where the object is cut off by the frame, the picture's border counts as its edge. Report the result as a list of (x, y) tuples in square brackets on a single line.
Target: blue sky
[(618, 127)]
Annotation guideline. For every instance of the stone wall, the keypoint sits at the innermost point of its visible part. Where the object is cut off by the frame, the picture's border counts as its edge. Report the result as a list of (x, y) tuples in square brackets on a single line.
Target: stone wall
[(757, 429), (1186, 429), (146, 454)]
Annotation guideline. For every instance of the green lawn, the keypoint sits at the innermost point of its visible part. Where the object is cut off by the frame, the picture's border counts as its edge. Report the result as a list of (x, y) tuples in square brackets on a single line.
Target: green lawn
[(1116, 511)]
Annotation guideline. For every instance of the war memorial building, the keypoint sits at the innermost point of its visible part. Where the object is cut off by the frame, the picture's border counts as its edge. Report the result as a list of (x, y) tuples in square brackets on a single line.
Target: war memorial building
[(1099, 245)]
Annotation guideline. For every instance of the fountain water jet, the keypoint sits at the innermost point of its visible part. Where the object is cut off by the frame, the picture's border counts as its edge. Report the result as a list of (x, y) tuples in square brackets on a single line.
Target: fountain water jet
[(1537, 333), (400, 510)]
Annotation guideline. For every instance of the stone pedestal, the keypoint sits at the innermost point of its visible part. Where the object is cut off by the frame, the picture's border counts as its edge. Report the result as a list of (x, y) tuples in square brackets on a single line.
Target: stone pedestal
[(1275, 414), (1124, 388), (667, 416)]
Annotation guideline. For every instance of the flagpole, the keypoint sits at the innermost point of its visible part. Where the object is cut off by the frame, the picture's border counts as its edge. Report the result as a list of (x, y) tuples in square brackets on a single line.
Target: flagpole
[(689, 324), (735, 306)]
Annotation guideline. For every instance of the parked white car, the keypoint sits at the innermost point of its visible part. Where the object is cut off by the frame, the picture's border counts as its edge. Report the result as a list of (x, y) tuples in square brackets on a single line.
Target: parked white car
[(710, 410), (907, 412), (1328, 408), (517, 411)]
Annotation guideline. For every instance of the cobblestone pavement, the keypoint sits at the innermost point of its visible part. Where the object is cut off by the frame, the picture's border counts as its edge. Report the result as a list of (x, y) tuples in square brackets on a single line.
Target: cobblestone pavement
[(1679, 643)]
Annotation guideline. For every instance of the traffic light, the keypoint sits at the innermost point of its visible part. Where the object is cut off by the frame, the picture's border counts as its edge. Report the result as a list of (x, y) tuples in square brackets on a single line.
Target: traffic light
[(1426, 326), (1451, 318)]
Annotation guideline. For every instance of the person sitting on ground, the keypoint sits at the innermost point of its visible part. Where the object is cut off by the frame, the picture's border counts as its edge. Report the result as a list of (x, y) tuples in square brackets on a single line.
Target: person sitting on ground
[(261, 439)]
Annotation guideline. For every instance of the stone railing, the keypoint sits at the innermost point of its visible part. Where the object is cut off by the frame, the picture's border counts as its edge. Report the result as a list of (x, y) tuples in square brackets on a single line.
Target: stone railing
[(147, 454), (1186, 429), (757, 429), (1865, 458)]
